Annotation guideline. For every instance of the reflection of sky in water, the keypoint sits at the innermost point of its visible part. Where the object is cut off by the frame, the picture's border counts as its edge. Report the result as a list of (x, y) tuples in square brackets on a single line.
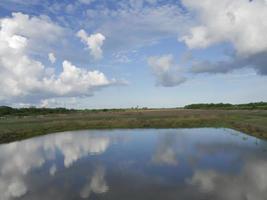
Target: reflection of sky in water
[(135, 164)]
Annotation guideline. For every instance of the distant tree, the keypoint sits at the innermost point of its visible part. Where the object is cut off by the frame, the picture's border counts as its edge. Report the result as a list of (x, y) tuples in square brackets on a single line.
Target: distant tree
[(248, 106)]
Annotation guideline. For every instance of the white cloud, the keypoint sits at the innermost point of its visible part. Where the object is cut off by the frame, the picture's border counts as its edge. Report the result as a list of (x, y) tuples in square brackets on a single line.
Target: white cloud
[(52, 58), (21, 76), (166, 72), (121, 57), (131, 26), (59, 102), (240, 22), (75, 81), (94, 42), (31, 31)]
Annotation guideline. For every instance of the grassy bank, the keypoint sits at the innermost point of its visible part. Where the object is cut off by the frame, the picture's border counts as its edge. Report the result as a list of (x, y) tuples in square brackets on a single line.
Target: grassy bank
[(253, 122)]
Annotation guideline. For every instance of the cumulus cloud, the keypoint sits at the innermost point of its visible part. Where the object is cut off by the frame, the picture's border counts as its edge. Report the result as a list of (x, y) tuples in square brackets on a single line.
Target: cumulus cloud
[(22, 76), (94, 42), (240, 23), (166, 72), (75, 81), (26, 33), (52, 58)]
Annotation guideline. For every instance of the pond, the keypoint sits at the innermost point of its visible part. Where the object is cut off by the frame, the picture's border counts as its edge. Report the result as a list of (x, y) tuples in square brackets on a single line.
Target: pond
[(135, 164)]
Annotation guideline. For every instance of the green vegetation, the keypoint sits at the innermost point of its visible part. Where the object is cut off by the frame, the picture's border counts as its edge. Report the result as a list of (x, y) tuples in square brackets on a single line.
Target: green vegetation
[(16, 127), (228, 106), (5, 111), (9, 111)]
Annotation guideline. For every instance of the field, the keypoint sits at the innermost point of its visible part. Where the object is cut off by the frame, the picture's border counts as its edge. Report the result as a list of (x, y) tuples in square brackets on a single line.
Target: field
[(252, 122)]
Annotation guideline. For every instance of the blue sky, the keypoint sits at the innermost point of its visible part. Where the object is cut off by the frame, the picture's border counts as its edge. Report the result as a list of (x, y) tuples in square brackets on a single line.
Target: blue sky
[(118, 53)]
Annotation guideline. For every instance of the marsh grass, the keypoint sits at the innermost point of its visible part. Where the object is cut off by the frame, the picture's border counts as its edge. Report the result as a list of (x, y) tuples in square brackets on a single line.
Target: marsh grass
[(252, 122)]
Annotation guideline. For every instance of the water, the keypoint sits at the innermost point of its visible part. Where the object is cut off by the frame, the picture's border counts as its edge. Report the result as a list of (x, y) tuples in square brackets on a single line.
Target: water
[(135, 164)]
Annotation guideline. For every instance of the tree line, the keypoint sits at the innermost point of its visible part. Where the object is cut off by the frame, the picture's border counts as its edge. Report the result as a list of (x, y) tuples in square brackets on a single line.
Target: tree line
[(9, 111), (6, 110), (225, 106)]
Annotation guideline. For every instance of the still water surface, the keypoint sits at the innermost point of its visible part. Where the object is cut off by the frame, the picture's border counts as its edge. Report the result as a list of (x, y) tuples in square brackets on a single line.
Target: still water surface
[(135, 164)]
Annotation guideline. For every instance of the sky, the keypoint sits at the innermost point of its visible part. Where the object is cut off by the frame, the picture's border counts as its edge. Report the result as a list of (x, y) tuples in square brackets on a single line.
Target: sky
[(129, 53)]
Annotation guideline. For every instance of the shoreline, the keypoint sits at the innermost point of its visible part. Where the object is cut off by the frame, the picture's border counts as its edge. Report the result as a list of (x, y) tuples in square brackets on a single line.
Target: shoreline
[(251, 122)]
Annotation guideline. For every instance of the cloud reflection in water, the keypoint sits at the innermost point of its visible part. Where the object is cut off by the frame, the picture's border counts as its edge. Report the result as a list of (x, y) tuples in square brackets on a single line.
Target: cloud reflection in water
[(19, 158), (135, 164)]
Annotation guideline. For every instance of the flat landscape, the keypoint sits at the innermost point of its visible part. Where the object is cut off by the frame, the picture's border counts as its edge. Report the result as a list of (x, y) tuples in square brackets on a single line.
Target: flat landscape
[(133, 99), (252, 122)]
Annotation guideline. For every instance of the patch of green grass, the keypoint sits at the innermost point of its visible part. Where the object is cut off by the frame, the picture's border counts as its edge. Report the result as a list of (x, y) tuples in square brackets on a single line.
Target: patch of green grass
[(252, 122)]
